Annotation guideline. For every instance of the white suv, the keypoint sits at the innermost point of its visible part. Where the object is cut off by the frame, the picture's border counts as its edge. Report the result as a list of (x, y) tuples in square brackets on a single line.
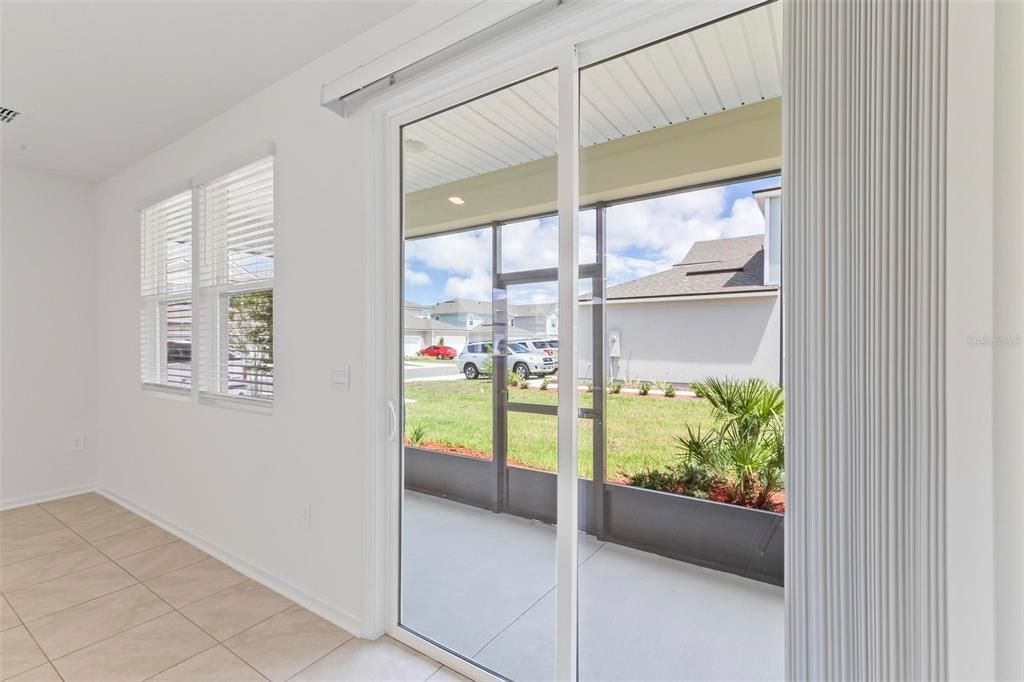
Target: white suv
[(542, 346), (476, 359)]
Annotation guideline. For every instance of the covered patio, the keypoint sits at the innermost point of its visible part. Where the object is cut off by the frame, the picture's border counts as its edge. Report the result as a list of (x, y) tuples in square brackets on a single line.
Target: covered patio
[(483, 584)]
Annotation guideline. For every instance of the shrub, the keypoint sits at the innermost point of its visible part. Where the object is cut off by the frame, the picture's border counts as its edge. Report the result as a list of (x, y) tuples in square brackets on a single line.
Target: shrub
[(544, 384), (418, 434), (589, 388), (614, 387), (683, 479), (746, 446), (655, 479), (741, 460), (512, 379), (670, 391), (645, 388)]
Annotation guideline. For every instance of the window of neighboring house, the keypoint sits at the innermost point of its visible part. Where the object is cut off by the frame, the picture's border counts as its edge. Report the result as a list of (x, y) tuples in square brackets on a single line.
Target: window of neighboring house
[(236, 283), (166, 293), (770, 202)]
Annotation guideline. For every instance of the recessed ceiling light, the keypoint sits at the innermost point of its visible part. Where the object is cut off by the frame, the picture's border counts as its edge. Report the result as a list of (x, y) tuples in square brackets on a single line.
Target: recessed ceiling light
[(458, 201), (415, 146)]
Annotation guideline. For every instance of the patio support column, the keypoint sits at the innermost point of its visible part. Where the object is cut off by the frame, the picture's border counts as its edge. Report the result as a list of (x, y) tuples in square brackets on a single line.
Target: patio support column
[(865, 234), (499, 373), (567, 532), (599, 339)]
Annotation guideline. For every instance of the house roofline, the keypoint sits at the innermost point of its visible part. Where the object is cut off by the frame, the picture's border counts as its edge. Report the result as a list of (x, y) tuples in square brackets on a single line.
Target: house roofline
[(760, 293)]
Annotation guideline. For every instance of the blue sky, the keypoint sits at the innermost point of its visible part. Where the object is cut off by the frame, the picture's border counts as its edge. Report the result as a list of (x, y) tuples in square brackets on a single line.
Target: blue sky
[(644, 237)]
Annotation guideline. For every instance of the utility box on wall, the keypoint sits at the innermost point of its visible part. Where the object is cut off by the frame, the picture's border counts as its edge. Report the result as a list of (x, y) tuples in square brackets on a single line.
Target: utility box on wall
[(614, 345)]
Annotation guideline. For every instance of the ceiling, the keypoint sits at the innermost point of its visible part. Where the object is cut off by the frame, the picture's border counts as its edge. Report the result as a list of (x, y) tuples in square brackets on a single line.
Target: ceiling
[(100, 85), (716, 68)]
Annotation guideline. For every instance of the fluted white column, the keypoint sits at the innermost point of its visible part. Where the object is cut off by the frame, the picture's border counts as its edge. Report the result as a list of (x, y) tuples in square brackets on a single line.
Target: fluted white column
[(864, 253)]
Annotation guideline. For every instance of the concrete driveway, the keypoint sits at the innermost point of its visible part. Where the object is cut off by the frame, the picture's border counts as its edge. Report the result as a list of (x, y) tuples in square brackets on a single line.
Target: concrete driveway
[(432, 370)]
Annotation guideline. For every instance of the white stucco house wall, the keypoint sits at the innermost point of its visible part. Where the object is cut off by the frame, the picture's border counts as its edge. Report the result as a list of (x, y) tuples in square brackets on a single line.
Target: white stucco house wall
[(713, 314)]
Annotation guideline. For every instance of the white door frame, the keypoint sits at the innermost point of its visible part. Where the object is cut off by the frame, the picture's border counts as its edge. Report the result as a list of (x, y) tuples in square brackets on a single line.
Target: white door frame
[(576, 35)]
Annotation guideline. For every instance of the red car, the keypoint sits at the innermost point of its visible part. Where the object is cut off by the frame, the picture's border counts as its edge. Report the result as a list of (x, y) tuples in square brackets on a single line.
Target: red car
[(440, 352)]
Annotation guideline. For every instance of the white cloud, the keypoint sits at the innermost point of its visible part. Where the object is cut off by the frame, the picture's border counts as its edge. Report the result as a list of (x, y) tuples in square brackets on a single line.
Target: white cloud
[(416, 278), (476, 286), (644, 237), (666, 227), (625, 268), (461, 253)]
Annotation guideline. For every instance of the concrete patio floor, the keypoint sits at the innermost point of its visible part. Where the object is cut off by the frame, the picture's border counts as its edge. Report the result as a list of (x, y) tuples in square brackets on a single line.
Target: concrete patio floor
[(483, 585)]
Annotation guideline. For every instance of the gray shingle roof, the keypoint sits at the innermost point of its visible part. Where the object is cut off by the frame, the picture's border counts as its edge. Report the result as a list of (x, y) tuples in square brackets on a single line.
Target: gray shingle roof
[(720, 266)]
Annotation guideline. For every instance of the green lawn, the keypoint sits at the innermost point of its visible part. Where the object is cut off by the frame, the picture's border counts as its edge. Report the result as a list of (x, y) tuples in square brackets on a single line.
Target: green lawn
[(641, 429)]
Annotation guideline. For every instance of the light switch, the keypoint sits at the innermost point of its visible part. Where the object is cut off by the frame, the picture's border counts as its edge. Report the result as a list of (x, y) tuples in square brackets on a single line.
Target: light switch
[(340, 378)]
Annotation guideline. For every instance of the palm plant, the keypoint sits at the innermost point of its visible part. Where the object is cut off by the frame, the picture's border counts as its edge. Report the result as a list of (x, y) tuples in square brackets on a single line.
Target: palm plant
[(746, 445)]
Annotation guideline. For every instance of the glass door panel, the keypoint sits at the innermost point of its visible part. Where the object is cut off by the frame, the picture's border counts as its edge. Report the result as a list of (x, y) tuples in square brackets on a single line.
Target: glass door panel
[(481, 335), (681, 529)]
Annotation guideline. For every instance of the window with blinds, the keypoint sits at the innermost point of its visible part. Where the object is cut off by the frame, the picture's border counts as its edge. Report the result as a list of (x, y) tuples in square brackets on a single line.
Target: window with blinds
[(166, 292), (236, 283)]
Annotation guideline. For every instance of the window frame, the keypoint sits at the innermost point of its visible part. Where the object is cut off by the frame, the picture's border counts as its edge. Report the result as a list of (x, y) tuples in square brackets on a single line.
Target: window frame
[(155, 296), (215, 298), (209, 300)]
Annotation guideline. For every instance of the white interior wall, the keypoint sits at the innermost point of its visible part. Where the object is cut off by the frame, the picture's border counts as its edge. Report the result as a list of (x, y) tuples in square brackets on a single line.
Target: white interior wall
[(48, 329), (235, 480)]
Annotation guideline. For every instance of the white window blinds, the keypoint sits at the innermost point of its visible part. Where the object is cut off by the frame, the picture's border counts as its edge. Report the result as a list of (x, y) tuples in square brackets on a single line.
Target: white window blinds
[(166, 292), (236, 279)]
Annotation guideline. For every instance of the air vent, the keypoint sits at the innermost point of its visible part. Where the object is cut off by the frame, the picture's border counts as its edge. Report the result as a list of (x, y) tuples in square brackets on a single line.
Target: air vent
[(7, 115)]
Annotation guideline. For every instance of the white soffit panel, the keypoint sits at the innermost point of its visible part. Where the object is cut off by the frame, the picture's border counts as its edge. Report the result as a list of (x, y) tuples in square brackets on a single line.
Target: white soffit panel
[(723, 66)]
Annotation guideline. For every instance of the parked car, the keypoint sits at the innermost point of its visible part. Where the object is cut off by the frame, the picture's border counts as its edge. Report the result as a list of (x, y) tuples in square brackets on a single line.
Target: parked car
[(476, 359), (542, 346), (440, 352)]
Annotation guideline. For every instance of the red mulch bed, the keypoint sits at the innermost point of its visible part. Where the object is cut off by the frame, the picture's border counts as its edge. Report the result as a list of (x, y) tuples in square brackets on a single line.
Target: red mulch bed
[(723, 493), (446, 449)]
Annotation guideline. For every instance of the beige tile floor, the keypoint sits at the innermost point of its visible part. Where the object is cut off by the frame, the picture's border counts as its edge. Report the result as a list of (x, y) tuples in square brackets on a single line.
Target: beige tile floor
[(91, 591)]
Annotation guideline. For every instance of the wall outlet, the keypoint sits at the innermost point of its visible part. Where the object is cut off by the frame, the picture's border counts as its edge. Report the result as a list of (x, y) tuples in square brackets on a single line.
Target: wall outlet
[(305, 516), (77, 442)]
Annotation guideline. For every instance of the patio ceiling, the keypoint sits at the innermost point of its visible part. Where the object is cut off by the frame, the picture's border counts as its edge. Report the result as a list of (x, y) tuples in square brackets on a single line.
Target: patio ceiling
[(725, 66)]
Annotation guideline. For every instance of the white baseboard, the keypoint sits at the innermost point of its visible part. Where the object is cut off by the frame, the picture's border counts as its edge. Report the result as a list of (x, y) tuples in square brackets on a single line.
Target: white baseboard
[(46, 496), (342, 619)]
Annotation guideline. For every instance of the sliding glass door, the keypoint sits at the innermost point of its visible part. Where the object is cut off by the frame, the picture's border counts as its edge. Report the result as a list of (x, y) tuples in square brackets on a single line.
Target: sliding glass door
[(592, 467)]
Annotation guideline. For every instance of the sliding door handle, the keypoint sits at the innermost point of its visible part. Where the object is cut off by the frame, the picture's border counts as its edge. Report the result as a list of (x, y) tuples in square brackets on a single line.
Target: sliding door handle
[(393, 429)]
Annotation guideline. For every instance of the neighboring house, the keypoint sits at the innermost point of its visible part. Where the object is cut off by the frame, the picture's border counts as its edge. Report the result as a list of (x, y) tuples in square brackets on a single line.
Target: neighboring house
[(417, 310), (463, 313), (710, 315), (538, 319), (420, 332), (485, 332)]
